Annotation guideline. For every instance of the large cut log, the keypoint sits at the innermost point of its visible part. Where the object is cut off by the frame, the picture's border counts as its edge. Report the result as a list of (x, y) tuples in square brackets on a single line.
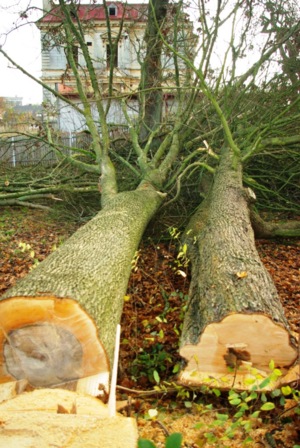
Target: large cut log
[(56, 417), (234, 323), (58, 323)]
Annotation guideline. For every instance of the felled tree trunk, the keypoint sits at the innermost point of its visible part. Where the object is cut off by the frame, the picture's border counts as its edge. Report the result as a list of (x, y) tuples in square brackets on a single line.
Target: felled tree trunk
[(58, 323), (234, 323)]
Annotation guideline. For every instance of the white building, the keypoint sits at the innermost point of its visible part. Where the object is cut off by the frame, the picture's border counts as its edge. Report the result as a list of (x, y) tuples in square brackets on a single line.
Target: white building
[(127, 24)]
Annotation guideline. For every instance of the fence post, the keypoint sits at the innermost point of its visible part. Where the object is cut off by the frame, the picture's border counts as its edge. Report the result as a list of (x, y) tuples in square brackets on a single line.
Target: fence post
[(13, 152), (70, 142)]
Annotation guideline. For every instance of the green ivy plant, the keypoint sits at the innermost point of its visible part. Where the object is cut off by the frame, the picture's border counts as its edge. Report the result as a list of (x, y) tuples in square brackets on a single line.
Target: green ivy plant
[(151, 363), (172, 441), (249, 407), (182, 261)]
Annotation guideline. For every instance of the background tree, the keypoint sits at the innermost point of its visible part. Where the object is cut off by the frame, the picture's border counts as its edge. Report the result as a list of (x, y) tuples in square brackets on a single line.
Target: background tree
[(151, 82)]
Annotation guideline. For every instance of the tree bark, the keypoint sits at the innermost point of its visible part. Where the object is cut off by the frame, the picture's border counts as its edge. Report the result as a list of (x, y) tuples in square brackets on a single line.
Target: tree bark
[(264, 229), (234, 319), (152, 69), (58, 323)]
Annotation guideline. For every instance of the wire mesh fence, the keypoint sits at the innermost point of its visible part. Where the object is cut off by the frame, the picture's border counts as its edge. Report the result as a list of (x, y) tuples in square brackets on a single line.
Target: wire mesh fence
[(19, 151), (15, 153)]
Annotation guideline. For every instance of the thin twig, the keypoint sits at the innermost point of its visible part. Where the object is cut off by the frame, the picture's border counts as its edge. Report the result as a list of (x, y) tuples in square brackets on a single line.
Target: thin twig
[(166, 432), (148, 392)]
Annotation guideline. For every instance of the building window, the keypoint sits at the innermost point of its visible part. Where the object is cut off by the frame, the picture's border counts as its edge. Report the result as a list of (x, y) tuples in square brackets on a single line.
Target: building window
[(89, 44), (112, 10), (111, 55)]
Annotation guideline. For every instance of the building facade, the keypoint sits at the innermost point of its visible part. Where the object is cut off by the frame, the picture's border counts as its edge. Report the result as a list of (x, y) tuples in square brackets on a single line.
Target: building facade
[(127, 29)]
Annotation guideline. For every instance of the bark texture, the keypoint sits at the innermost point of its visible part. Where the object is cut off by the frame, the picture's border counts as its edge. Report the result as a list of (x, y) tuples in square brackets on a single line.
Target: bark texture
[(152, 68), (263, 229), (81, 285), (234, 316)]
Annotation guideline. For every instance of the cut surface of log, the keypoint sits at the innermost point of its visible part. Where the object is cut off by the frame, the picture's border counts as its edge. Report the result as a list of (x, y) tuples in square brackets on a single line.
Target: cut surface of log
[(52, 400), (11, 389), (49, 341), (240, 343), (56, 417), (64, 430)]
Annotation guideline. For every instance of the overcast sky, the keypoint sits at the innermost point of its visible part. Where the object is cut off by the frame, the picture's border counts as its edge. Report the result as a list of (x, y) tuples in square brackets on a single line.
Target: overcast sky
[(23, 46)]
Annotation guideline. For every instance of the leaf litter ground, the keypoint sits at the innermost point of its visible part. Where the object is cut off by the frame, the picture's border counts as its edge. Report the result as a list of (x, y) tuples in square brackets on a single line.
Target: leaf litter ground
[(153, 312)]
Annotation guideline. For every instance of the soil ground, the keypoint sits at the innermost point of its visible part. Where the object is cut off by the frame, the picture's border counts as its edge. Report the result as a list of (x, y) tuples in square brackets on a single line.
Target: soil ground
[(153, 312)]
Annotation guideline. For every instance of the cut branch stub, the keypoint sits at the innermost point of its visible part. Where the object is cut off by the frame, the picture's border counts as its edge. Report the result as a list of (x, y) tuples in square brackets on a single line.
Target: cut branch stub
[(240, 343), (49, 341)]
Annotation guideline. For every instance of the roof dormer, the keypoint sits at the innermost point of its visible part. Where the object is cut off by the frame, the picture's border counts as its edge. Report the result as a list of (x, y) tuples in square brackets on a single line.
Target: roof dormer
[(112, 10)]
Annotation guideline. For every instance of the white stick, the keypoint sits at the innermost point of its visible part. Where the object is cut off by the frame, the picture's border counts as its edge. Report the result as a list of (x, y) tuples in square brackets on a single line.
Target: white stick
[(113, 384)]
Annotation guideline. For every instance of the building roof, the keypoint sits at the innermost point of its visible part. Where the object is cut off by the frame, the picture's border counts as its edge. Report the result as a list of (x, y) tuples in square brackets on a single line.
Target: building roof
[(133, 11)]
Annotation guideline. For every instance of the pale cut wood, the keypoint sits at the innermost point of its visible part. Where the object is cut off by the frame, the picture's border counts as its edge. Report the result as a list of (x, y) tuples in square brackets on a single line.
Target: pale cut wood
[(44, 430), (7, 391), (49, 341), (292, 377), (47, 400), (57, 417), (236, 352)]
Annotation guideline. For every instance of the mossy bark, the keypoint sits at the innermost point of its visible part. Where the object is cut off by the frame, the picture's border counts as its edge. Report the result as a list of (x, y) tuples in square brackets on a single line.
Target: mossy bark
[(268, 229)]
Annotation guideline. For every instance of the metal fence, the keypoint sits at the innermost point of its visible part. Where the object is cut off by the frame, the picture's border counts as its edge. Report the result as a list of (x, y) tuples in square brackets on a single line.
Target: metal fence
[(18, 152), (14, 152)]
